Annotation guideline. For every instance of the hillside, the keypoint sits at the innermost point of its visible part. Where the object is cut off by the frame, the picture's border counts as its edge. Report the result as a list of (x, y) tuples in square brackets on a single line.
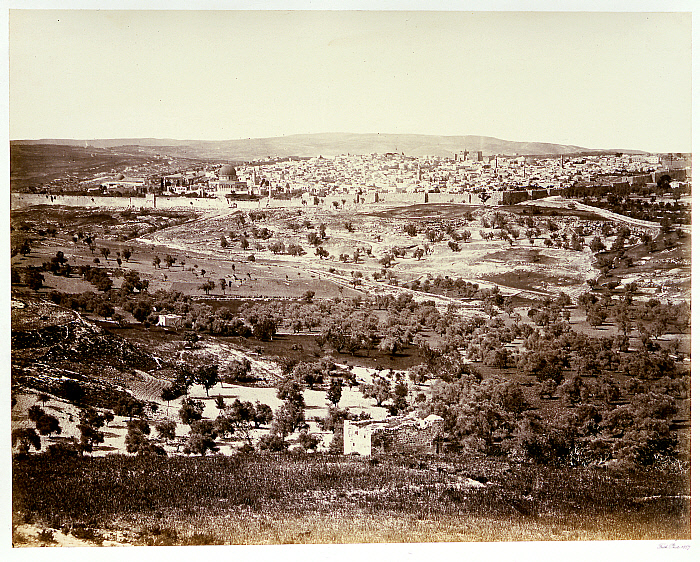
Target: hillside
[(33, 164), (326, 144)]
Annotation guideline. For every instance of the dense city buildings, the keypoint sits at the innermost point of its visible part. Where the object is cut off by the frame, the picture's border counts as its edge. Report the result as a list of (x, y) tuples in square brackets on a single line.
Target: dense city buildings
[(361, 178)]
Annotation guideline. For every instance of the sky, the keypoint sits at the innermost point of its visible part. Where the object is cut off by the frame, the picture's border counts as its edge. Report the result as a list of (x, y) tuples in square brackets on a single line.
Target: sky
[(597, 80)]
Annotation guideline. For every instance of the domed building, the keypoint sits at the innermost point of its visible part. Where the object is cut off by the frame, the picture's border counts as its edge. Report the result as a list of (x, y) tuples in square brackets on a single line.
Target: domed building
[(227, 184), (228, 173)]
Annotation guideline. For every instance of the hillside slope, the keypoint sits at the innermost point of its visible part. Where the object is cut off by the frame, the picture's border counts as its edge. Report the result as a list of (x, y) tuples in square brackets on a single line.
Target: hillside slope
[(326, 144)]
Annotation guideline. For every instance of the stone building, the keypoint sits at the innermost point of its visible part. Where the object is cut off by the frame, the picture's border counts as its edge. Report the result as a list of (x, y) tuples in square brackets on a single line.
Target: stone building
[(401, 434), (227, 184)]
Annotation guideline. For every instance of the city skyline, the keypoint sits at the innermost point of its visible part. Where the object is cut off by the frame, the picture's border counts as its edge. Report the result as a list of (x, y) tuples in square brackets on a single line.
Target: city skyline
[(596, 80)]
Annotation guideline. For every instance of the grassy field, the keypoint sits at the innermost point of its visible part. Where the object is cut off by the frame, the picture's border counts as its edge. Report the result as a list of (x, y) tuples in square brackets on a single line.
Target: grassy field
[(262, 499)]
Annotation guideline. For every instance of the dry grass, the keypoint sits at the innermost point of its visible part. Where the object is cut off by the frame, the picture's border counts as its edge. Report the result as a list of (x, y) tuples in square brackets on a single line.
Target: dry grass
[(277, 499)]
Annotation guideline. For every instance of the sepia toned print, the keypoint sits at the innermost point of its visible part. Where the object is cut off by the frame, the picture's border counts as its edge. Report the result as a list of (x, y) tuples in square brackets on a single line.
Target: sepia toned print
[(349, 277)]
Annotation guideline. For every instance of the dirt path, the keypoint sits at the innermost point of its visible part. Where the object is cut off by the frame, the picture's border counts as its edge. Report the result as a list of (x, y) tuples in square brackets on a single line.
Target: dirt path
[(558, 201)]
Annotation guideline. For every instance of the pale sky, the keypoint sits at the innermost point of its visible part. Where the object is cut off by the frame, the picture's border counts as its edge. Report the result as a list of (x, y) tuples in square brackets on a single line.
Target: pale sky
[(598, 80)]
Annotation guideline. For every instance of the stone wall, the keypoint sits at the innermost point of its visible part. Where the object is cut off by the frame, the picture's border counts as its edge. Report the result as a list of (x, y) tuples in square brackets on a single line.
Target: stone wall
[(408, 436), (514, 197)]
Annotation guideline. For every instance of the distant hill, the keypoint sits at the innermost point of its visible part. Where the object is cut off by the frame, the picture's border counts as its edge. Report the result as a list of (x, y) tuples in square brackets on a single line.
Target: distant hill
[(324, 144)]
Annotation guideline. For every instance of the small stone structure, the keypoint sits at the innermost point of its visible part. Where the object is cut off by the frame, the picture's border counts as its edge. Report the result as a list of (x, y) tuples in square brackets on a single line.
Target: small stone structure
[(169, 320), (402, 434)]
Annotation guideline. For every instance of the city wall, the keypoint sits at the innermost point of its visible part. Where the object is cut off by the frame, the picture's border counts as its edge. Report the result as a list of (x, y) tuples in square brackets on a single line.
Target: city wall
[(23, 200)]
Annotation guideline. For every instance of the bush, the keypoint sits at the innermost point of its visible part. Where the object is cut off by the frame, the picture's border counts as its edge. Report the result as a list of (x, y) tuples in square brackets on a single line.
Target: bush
[(272, 443)]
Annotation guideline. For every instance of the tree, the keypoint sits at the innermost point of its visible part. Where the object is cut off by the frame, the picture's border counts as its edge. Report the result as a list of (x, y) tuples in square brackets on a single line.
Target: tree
[(48, 424), (544, 364), (72, 391), (129, 406), (207, 376), (288, 418), (126, 252), (335, 391), (272, 443), (224, 242), (400, 396), (166, 429), (263, 414), (390, 344), (202, 438), (595, 315), (264, 329), (137, 442), (90, 435), (290, 389), (102, 283), (24, 439), (105, 253), (222, 284), (410, 229), (308, 296), (236, 420), (206, 287), (308, 441), (237, 371), (105, 309), (547, 388), (277, 247), (169, 261), (191, 411), (141, 311), (379, 390), (156, 262), (33, 279), (597, 245)]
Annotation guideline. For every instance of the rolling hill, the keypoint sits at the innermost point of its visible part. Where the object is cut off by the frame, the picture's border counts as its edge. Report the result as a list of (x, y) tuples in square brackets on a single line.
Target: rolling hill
[(326, 144)]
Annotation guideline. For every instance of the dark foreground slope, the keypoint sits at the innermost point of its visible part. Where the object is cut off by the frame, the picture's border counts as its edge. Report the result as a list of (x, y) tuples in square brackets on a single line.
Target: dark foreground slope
[(283, 498)]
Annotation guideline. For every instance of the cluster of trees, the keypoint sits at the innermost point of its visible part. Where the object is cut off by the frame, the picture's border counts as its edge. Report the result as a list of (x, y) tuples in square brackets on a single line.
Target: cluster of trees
[(33, 278), (97, 276), (651, 318), (137, 439), (447, 286), (382, 389), (643, 209), (46, 424), (23, 249), (494, 416), (58, 265)]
